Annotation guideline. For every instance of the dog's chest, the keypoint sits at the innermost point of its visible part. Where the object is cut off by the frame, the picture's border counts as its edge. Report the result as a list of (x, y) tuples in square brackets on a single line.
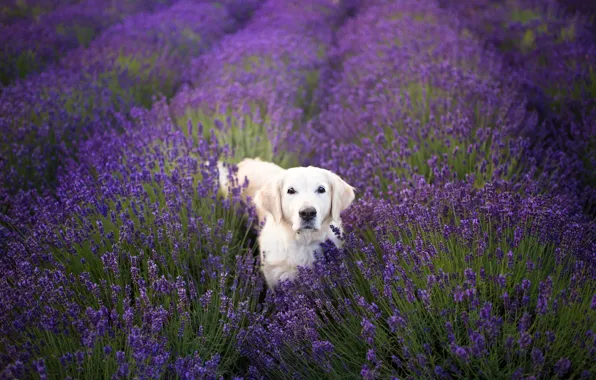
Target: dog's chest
[(304, 252), (290, 250)]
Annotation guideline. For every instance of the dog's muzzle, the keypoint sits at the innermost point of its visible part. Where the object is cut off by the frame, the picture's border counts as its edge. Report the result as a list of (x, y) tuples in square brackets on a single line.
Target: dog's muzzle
[(307, 217)]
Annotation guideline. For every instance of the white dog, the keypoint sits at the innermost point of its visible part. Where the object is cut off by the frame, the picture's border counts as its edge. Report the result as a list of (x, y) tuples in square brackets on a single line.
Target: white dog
[(298, 205)]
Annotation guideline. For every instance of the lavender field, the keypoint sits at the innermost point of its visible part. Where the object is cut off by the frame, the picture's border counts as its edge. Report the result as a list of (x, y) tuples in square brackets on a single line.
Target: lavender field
[(468, 129)]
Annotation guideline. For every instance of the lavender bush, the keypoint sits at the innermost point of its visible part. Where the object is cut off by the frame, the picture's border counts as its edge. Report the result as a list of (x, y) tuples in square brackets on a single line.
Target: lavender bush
[(468, 253), (433, 107), (43, 118)]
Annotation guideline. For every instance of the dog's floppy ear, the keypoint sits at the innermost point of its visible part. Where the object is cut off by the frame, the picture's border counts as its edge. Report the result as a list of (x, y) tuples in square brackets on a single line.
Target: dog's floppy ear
[(268, 198), (342, 195)]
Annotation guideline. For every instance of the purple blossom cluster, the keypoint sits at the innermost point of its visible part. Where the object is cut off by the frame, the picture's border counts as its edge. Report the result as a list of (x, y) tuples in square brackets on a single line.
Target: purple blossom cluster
[(467, 254)]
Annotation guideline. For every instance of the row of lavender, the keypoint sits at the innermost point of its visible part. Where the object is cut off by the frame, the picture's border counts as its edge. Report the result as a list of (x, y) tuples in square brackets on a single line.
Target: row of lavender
[(29, 45), (552, 48), (504, 107), (13, 11), (553, 52), (45, 116), (135, 266), (464, 259), (265, 81)]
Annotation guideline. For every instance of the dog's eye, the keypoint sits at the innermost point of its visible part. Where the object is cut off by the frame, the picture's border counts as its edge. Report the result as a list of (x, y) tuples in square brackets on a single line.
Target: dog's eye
[(291, 190), (321, 190)]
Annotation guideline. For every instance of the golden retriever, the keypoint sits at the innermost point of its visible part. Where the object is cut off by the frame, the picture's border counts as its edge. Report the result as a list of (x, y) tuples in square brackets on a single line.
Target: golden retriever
[(299, 206)]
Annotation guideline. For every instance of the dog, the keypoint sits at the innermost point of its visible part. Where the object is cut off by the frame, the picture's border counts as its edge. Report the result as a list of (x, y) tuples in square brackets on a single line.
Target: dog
[(299, 206)]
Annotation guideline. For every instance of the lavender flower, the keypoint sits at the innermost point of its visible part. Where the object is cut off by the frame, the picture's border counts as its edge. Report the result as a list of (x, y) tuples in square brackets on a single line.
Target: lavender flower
[(562, 367), (537, 357)]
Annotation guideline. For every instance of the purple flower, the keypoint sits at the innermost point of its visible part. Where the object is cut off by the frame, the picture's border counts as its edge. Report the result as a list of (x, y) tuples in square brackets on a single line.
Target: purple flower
[(510, 260), (458, 296), (368, 331), (545, 290), (518, 374), (524, 322), (486, 311), (526, 285), (525, 340), (441, 373), (367, 373), (461, 353), (501, 280), (537, 357), (40, 366), (371, 356), (322, 348), (424, 297), (562, 367), (478, 344), (396, 321), (470, 276)]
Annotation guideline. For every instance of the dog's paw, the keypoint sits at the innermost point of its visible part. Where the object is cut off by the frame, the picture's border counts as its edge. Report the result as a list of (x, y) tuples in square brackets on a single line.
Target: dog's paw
[(276, 273), (289, 275)]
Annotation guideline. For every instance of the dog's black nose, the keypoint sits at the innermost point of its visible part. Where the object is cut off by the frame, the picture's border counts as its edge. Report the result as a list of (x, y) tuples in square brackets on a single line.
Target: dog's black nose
[(308, 213)]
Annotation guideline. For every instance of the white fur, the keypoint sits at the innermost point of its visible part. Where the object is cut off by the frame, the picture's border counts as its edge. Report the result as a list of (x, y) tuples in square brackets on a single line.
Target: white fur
[(287, 241)]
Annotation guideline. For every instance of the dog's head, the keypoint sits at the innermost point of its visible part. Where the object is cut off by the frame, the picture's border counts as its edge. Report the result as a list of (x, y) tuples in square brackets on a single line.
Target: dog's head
[(305, 197)]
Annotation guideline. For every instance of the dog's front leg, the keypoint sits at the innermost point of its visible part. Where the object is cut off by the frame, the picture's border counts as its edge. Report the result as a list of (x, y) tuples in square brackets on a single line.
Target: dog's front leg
[(278, 271)]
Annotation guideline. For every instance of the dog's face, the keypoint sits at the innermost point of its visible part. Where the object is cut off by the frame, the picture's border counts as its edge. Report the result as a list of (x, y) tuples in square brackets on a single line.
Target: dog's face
[(305, 197)]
